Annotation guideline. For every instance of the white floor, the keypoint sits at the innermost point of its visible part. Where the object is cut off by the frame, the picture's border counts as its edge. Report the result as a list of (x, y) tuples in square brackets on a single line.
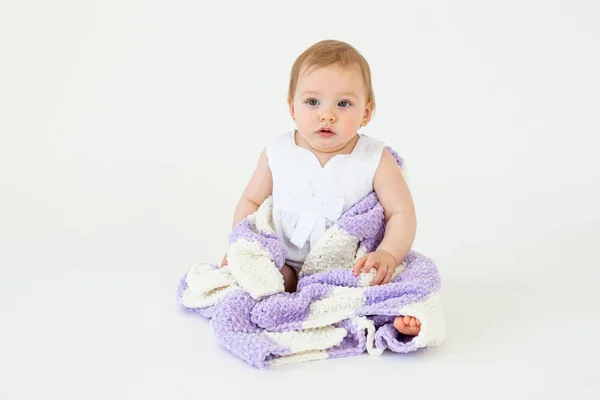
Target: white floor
[(87, 301)]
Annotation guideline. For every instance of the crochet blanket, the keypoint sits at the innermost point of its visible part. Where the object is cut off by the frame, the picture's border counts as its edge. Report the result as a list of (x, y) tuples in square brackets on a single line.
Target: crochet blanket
[(333, 313)]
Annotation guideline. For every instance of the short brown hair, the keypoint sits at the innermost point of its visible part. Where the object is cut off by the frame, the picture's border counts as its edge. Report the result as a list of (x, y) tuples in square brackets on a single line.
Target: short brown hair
[(332, 52)]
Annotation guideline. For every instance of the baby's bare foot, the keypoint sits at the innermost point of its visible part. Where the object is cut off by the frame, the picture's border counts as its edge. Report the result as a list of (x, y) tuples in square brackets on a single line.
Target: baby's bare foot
[(407, 325)]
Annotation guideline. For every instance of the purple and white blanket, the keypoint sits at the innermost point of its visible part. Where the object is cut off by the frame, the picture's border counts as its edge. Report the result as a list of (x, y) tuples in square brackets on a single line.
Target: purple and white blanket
[(333, 313)]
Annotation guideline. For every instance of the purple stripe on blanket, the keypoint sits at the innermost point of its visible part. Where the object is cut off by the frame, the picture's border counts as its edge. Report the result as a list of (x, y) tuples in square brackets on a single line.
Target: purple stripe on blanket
[(236, 332), (336, 277), (181, 288), (397, 157), (271, 243), (364, 221), (387, 337), (380, 320), (419, 280), (354, 343), (287, 311)]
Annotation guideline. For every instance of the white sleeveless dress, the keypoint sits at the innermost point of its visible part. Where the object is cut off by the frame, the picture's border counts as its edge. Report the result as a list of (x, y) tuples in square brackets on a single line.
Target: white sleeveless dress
[(308, 198)]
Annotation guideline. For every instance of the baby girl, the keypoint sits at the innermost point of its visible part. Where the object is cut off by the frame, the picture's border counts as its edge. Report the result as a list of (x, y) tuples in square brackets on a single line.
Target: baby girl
[(330, 98)]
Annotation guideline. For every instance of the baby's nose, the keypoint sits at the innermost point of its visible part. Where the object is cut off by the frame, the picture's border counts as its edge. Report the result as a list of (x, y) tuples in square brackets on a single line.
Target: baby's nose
[(328, 116)]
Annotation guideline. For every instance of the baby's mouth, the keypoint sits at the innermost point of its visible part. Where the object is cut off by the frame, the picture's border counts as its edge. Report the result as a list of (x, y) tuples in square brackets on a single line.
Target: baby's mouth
[(325, 132)]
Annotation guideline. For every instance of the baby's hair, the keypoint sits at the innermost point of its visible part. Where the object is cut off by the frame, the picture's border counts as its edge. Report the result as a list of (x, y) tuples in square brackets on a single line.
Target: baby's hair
[(331, 52)]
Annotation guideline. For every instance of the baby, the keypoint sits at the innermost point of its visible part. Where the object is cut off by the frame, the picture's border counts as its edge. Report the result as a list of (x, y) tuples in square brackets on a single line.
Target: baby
[(330, 97)]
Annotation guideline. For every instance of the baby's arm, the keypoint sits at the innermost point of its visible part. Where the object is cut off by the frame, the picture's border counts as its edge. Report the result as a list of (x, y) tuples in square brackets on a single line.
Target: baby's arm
[(258, 189), (399, 211)]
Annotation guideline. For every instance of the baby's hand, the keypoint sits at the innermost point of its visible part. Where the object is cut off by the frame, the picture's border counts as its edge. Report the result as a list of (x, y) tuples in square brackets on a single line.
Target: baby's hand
[(382, 261)]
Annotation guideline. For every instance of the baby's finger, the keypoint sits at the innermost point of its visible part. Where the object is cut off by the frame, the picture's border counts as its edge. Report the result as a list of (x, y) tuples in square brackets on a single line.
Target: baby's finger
[(359, 264), (371, 262), (380, 275), (388, 276)]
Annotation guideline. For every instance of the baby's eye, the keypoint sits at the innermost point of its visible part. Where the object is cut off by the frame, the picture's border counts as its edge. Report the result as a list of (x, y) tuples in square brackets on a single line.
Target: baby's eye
[(313, 102), (344, 104)]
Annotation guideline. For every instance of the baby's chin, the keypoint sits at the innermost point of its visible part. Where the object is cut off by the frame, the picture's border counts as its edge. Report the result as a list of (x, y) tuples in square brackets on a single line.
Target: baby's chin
[(326, 142)]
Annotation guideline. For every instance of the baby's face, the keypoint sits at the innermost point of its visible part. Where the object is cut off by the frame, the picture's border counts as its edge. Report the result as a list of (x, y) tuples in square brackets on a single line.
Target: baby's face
[(330, 98)]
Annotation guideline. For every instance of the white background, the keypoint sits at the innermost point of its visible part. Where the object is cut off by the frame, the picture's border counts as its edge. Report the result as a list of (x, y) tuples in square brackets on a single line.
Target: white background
[(129, 129)]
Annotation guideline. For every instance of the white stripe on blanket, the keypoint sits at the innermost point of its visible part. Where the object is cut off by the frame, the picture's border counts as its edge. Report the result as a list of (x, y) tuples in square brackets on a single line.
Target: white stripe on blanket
[(336, 249), (299, 357), (367, 324), (433, 321), (309, 339), (207, 286), (253, 269), (338, 305)]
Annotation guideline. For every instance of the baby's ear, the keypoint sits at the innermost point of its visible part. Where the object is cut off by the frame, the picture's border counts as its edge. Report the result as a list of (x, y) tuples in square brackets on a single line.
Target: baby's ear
[(368, 113), (291, 106)]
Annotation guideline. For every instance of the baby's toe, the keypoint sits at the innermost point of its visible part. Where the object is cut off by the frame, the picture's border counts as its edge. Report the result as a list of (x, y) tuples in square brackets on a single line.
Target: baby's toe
[(399, 323)]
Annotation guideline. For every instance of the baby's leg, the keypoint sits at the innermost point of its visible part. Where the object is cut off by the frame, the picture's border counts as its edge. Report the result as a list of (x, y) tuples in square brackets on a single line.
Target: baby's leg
[(290, 279)]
